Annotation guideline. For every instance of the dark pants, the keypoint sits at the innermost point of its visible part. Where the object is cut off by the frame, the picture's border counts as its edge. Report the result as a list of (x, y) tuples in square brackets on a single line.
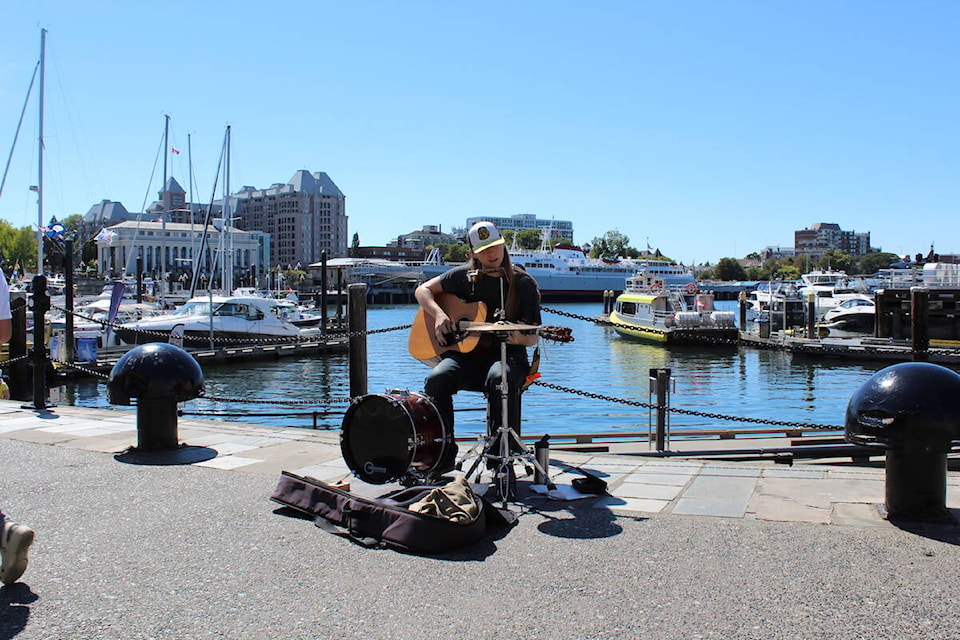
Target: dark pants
[(479, 372)]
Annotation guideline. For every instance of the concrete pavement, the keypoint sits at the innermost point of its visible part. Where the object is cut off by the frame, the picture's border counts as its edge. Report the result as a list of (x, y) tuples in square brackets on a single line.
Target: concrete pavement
[(679, 548)]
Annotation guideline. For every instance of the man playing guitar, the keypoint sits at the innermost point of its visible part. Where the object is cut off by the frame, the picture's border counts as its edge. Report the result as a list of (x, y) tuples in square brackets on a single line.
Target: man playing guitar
[(509, 294)]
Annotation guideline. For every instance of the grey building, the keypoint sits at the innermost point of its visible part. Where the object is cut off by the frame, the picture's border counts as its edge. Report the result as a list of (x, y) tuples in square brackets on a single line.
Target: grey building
[(815, 240), (304, 217)]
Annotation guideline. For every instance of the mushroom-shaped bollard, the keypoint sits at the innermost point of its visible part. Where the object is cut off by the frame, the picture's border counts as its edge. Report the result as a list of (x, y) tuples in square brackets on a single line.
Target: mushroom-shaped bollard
[(158, 375), (912, 410)]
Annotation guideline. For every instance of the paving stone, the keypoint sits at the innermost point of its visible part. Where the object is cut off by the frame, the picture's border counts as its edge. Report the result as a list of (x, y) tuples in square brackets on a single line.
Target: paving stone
[(858, 514), (641, 505), (710, 507), (640, 490)]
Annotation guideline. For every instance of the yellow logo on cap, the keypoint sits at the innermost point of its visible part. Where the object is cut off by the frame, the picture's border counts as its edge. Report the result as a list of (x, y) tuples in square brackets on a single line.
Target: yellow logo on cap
[(483, 233)]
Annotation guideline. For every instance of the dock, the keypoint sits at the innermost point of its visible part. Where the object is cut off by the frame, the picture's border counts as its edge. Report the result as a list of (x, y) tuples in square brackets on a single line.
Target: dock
[(855, 348)]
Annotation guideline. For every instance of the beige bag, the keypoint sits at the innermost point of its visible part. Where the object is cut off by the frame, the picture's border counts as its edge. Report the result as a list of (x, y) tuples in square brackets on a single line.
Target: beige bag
[(455, 501)]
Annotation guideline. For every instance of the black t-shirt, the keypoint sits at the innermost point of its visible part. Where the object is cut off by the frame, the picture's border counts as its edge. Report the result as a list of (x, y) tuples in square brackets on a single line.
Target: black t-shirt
[(486, 289)]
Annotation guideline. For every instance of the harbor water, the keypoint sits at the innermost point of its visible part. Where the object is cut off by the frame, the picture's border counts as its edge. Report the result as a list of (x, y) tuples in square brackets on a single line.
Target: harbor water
[(752, 385)]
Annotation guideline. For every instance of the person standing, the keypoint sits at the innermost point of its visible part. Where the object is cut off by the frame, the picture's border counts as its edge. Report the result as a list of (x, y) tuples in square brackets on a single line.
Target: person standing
[(15, 539), (509, 294)]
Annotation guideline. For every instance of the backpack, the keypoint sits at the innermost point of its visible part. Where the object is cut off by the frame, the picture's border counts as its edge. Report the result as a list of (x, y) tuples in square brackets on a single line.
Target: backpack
[(419, 519)]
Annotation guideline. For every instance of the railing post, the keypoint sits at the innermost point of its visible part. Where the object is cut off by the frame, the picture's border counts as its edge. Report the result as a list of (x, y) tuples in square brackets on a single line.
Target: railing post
[(811, 313), (323, 292), (357, 324), (660, 387), (69, 339), (742, 307), (38, 354)]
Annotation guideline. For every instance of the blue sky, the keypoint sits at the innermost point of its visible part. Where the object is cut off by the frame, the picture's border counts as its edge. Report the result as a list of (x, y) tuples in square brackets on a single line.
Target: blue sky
[(712, 129)]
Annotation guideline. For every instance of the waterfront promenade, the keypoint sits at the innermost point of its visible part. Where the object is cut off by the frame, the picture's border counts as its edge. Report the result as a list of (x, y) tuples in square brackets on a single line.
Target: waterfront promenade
[(681, 548)]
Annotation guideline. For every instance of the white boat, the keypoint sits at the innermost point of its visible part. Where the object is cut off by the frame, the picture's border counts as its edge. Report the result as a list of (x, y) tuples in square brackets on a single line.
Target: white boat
[(291, 309), (662, 306), (775, 296), (830, 288), (852, 315), (206, 321)]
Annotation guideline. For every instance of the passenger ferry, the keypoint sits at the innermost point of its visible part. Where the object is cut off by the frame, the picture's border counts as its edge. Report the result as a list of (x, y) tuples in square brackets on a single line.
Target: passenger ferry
[(662, 304)]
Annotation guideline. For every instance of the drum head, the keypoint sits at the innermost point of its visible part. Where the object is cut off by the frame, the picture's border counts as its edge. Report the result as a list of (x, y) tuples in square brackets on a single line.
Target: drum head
[(375, 439)]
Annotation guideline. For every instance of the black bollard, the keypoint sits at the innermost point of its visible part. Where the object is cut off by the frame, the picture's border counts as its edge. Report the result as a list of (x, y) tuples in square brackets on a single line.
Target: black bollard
[(910, 410), (158, 375)]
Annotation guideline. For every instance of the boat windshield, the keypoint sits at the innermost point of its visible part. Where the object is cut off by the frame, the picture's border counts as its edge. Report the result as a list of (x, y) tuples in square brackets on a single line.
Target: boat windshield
[(194, 308)]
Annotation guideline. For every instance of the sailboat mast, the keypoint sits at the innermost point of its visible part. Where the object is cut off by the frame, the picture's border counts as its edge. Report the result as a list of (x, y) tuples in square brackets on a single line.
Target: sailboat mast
[(163, 211), (43, 44), (226, 274), (193, 252)]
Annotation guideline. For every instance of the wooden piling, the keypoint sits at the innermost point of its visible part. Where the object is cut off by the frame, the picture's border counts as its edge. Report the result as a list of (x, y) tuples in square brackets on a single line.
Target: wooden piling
[(357, 324)]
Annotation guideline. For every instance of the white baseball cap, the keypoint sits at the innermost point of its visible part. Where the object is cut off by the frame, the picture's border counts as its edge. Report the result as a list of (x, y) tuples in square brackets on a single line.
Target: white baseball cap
[(483, 235)]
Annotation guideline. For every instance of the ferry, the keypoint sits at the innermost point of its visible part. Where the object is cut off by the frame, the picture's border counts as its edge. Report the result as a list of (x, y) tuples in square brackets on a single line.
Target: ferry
[(565, 272), (662, 304)]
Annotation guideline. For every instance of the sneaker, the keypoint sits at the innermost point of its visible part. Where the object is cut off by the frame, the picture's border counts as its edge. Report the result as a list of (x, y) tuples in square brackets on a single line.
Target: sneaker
[(15, 539)]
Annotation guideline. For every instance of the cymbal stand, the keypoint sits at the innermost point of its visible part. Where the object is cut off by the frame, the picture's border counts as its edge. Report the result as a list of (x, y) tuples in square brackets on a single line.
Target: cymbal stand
[(504, 478)]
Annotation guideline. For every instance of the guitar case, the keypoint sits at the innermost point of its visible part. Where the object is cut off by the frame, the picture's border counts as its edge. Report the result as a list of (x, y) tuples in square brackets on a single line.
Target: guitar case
[(421, 520)]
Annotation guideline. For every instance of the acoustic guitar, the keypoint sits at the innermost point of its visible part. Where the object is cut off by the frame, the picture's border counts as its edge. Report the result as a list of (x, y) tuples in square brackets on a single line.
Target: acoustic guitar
[(423, 343), (468, 319)]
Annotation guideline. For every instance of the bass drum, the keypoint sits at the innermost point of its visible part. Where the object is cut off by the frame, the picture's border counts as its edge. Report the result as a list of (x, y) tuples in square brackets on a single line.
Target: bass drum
[(386, 438)]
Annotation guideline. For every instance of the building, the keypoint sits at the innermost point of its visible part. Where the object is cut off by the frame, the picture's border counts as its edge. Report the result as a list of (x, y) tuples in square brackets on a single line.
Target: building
[(777, 253), (304, 217), (428, 235), (524, 221), (815, 240), (170, 247), (101, 215)]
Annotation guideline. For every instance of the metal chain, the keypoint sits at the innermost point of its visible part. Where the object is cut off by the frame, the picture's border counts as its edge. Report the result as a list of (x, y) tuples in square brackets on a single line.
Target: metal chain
[(73, 365), (704, 414), (333, 400)]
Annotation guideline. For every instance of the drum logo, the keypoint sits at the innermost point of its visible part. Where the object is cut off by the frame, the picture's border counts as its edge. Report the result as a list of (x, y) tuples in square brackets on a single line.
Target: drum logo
[(371, 468)]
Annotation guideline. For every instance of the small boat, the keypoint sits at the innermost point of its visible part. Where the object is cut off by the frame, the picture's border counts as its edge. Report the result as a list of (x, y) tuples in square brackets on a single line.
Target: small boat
[(219, 321), (830, 288), (671, 311), (852, 315)]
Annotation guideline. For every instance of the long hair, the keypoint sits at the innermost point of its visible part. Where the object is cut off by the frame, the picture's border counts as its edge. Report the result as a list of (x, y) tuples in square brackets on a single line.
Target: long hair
[(510, 270)]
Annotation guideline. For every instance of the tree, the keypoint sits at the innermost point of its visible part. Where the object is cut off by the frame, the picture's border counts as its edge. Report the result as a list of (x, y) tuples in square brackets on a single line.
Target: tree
[(355, 245), (786, 271), (613, 244), (529, 239), (729, 269), (837, 260), (872, 262)]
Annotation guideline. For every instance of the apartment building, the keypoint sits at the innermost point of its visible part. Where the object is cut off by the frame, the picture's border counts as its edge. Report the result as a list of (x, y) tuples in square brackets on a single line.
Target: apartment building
[(524, 221), (816, 239), (305, 216)]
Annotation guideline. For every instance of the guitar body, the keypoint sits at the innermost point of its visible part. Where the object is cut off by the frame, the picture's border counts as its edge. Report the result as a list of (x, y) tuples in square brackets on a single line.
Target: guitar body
[(423, 344)]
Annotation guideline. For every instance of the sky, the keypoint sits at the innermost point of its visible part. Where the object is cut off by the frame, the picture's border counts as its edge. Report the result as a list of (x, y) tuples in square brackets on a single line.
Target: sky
[(706, 129)]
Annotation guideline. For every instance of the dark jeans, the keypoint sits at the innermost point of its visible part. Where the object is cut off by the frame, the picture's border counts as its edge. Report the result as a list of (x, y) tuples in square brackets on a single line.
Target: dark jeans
[(479, 372)]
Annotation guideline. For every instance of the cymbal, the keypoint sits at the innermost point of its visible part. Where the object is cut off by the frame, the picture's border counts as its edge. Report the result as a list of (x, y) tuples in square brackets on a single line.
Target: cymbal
[(495, 327)]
